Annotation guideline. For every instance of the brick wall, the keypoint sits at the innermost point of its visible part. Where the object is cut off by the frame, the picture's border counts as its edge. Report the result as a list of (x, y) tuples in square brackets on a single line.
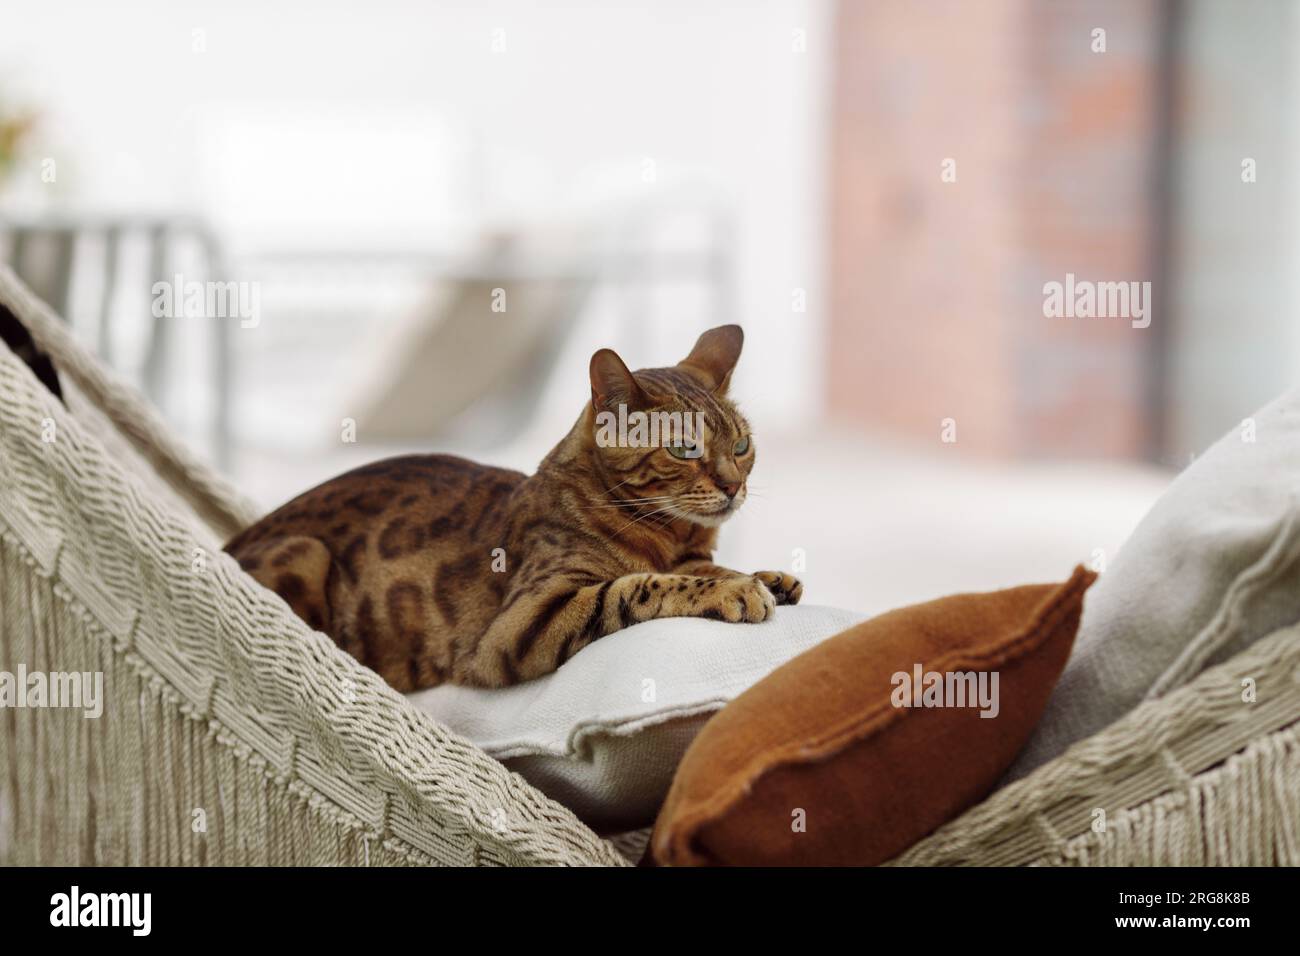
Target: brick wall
[(936, 287)]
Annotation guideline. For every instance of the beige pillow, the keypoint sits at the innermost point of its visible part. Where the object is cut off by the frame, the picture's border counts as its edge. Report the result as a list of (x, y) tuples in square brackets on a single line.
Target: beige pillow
[(1213, 567)]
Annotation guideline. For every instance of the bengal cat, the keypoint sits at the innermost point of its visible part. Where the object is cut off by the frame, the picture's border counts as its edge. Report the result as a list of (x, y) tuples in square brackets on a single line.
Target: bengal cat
[(431, 568)]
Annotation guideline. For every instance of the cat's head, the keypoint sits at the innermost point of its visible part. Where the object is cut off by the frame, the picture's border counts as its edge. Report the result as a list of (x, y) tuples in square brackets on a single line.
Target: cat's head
[(670, 438)]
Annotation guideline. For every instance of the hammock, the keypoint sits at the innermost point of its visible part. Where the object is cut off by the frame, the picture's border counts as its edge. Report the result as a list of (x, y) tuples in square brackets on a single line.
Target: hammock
[(231, 733)]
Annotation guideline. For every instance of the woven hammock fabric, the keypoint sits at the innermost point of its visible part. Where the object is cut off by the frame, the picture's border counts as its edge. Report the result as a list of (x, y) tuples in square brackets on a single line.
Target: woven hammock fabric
[(233, 734)]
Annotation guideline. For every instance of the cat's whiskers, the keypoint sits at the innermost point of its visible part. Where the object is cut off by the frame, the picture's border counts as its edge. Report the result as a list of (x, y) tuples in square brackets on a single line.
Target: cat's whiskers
[(667, 520), (629, 503), (611, 490), (640, 518)]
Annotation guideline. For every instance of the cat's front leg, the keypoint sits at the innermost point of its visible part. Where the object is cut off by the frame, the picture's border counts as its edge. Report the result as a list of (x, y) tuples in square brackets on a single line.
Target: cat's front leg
[(734, 597), (785, 588), (538, 630)]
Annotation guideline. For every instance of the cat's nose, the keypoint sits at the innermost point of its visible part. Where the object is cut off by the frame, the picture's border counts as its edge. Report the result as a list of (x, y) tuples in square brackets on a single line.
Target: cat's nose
[(728, 488)]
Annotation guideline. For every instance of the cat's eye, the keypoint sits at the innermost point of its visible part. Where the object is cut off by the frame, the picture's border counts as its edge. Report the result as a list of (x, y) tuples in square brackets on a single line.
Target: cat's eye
[(742, 447), (684, 452)]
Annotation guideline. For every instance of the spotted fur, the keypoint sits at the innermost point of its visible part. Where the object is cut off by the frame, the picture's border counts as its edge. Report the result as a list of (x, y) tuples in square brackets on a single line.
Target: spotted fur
[(398, 560)]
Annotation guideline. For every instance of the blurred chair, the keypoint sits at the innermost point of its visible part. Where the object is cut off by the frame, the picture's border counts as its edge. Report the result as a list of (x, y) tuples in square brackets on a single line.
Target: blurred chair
[(469, 360), (484, 342)]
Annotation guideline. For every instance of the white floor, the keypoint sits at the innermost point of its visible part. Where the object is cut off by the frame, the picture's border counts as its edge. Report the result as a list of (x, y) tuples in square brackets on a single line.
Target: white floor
[(881, 526)]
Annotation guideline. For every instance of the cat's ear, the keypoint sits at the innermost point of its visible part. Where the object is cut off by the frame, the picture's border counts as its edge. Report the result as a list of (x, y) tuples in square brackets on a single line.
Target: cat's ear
[(612, 384), (715, 355)]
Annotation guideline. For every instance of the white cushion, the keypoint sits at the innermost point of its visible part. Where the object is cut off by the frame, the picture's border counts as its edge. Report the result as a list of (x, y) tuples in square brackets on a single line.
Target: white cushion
[(604, 734)]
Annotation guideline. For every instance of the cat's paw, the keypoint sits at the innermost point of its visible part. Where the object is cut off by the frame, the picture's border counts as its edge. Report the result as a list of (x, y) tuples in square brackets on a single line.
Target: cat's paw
[(785, 588), (740, 601)]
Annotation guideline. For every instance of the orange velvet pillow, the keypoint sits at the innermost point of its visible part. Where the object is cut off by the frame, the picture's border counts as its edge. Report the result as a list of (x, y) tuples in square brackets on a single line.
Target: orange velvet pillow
[(859, 747)]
